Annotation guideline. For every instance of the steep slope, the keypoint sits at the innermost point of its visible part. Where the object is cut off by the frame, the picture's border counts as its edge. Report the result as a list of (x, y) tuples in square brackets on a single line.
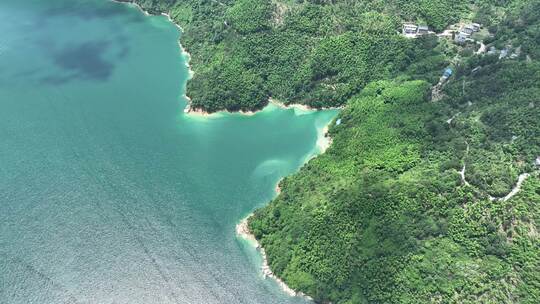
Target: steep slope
[(384, 215), (318, 53)]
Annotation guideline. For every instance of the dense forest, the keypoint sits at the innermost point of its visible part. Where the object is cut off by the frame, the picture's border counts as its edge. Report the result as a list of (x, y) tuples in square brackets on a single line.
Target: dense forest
[(411, 202), (318, 53), (384, 216), (407, 205)]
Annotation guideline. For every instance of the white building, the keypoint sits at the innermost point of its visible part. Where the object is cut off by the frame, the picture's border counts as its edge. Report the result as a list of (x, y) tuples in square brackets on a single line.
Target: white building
[(409, 30)]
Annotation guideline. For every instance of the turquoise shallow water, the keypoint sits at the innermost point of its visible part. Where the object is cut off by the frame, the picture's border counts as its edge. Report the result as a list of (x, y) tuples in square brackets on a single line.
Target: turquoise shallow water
[(108, 192)]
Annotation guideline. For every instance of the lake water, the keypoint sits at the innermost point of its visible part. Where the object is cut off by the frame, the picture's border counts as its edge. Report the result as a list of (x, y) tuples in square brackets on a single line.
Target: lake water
[(109, 193)]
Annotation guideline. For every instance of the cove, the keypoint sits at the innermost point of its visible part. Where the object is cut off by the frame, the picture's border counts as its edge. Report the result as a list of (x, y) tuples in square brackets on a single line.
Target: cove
[(109, 193)]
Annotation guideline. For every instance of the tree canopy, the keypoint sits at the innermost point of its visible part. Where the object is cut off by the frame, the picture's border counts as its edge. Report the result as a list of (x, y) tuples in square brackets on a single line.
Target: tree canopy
[(408, 204)]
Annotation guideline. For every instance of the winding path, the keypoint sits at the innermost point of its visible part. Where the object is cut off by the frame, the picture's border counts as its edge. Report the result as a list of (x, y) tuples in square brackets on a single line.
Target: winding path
[(462, 172), (521, 178)]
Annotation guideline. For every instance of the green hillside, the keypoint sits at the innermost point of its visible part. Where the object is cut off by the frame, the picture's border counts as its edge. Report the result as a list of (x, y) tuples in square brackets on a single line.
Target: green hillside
[(318, 53), (384, 216), (408, 204)]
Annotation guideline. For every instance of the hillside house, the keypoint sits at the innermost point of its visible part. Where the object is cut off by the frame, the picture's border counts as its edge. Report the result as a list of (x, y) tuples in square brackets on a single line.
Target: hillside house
[(422, 30), (504, 53), (469, 29), (466, 31), (409, 30), (462, 37), (492, 50)]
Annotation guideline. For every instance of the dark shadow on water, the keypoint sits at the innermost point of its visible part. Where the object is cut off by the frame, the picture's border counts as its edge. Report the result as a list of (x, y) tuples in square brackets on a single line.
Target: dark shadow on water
[(57, 80), (89, 11), (123, 43), (26, 74), (84, 12), (85, 61)]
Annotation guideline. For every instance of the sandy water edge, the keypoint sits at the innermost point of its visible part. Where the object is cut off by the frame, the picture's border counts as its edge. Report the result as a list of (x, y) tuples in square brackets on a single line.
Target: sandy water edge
[(196, 112), (242, 230)]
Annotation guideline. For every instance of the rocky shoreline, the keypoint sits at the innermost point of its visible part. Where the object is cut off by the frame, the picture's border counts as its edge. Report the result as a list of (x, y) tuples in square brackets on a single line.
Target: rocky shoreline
[(242, 230)]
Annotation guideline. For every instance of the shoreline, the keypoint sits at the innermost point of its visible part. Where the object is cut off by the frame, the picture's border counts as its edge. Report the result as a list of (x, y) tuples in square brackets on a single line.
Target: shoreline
[(322, 144), (277, 188), (189, 110), (323, 141), (132, 2), (197, 112), (301, 107), (271, 102), (183, 51), (242, 230)]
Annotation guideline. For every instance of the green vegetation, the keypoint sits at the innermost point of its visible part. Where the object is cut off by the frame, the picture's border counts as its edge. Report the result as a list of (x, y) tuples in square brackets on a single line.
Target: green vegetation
[(521, 27), (318, 53), (385, 216)]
